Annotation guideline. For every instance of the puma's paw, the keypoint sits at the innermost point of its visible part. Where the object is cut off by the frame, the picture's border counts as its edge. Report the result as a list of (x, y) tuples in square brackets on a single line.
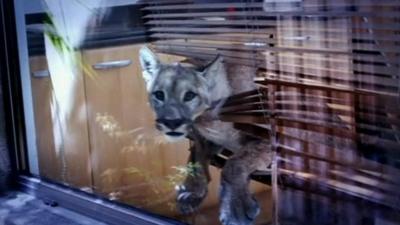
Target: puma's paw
[(239, 210), (188, 200)]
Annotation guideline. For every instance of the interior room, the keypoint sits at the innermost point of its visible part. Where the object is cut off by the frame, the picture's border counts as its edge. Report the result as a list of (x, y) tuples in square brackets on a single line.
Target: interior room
[(233, 112)]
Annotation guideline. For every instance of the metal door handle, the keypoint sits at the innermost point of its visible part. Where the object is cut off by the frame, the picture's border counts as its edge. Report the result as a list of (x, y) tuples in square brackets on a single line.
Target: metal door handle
[(41, 73), (112, 64)]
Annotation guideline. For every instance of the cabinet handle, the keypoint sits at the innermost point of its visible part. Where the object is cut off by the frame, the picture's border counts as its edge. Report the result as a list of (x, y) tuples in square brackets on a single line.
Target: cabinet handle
[(112, 64), (41, 73)]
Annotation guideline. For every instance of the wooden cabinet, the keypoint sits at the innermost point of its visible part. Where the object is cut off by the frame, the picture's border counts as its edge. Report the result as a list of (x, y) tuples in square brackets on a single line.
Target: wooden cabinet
[(63, 145), (109, 142)]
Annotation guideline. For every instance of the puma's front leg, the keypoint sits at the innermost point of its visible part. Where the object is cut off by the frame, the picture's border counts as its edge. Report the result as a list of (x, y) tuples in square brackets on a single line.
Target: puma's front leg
[(238, 206), (191, 193), (195, 186)]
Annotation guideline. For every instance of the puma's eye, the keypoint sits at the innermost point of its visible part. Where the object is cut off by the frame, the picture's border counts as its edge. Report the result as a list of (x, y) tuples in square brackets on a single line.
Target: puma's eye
[(159, 95), (189, 96)]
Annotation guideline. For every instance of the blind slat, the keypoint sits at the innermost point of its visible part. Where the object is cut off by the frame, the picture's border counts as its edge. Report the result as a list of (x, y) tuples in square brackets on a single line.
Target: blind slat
[(258, 13)]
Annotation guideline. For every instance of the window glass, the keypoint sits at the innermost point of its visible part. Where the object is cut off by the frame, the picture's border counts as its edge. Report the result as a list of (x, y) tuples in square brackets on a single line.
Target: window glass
[(232, 111)]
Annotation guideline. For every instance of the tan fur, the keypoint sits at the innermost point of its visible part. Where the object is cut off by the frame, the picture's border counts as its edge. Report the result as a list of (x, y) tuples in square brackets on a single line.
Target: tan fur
[(178, 116)]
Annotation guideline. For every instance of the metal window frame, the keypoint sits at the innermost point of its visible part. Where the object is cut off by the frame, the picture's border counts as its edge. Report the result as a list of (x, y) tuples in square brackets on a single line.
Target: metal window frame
[(11, 88), (90, 205), (12, 85)]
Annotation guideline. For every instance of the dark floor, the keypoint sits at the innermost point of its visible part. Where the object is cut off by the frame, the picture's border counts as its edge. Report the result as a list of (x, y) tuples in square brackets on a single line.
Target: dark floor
[(17, 208)]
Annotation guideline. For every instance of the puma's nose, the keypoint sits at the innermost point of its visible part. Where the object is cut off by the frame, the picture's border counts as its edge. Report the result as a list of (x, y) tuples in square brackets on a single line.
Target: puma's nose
[(171, 124)]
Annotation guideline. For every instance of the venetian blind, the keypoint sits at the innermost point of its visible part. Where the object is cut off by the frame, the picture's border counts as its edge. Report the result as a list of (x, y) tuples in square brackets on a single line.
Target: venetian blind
[(328, 73)]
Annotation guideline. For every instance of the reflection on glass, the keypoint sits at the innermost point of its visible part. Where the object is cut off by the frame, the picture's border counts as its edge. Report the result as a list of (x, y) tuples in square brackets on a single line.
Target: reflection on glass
[(133, 101)]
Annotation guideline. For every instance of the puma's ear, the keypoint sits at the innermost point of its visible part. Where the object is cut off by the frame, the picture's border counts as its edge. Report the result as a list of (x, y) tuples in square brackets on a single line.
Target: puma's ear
[(150, 65), (214, 67), (216, 78)]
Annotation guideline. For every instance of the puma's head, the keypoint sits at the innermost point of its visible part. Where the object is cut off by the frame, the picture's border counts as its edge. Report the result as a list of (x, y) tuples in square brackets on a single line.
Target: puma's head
[(178, 94)]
